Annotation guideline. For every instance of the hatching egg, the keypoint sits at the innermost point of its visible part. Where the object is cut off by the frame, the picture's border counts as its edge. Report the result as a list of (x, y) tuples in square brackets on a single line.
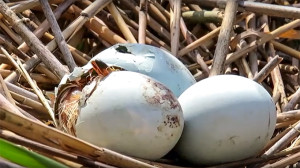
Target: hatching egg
[(151, 61), (227, 118), (130, 113)]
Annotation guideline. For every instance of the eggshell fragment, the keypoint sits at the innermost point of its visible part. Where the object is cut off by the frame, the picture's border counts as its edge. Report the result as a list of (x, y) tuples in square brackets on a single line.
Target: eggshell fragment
[(130, 113), (151, 61), (227, 118)]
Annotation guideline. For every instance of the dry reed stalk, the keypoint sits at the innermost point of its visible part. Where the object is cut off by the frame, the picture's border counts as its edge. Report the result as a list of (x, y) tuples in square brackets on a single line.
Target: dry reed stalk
[(142, 21), (209, 36), (147, 39), (285, 68), (95, 24), (49, 150), (284, 140), (165, 12), (54, 138), (39, 78), (42, 69), (246, 68), (164, 33), (263, 73), (277, 78), (21, 91), (162, 16), (288, 50), (44, 26), (10, 47), (33, 85), (255, 7), (45, 55), (285, 124), (223, 39), (251, 25), (25, 5), (161, 44), (51, 46), (59, 38), (276, 75), (203, 16), (199, 42), (242, 61), (294, 100), (16, 38), (5, 92), (188, 37), (121, 23), (174, 26), (104, 32), (5, 104), (4, 73), (294, 158), (260, 159), (234, 56), (29, 102), (86, 14), (31, 62), (289, 115)]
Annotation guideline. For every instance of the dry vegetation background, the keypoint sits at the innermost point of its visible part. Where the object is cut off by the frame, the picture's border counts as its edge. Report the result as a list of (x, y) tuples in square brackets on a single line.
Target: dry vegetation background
[(40, 42)]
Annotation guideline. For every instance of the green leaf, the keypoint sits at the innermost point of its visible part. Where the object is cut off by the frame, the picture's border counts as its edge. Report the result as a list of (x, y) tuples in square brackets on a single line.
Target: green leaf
[(25, 157)]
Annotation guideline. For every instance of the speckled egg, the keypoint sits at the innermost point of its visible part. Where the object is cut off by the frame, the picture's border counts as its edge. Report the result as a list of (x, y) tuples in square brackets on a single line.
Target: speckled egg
[(227, 118), (130, 113), (151, 61)]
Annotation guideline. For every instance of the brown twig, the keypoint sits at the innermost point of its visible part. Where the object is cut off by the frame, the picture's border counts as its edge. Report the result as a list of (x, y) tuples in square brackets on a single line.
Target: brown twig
[(5, 92), (288, 50), (263, 73), (212, 34), (203, 16), (54, 138), (159, 13), (25, 74), (255, 7), (60, 40), (29, 64), (260, 159), (48, 150), (288, 116), (21, 91), (33, 42), (223, 39), (174, 26), (143, 21), (251, 25), (234, 56), (121, 23)]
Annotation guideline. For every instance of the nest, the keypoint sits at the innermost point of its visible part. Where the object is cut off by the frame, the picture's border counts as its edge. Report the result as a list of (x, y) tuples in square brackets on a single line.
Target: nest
[(258, 40)]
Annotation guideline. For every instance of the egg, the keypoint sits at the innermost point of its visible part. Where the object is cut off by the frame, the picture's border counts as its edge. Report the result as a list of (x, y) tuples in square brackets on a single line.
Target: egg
[(130, 113), (227, 118), (151, 61)]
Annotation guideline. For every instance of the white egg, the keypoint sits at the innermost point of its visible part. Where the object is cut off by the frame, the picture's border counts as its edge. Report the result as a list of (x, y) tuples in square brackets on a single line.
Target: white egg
[(227, 118), (151, 61), (130, 113)]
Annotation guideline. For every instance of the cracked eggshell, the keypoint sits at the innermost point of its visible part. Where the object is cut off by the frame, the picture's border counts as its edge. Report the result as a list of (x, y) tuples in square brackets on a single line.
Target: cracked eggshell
[(227, 118), (151, 61), (130, 113)]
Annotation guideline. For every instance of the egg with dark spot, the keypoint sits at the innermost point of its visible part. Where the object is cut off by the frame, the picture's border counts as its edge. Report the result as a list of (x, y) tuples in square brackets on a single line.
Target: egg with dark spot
[(130, 113)]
